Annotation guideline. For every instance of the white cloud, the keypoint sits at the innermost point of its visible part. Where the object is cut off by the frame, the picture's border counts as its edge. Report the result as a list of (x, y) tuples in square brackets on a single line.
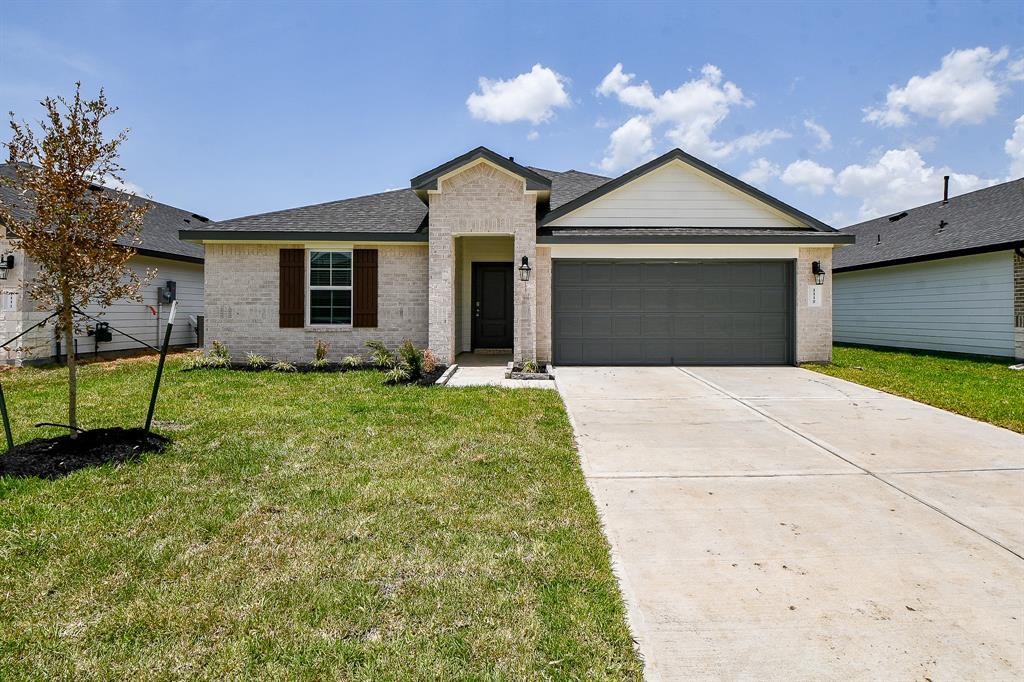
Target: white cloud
[(760, 172), (691, 113), (898, 180), (1015, 148), (630, 145), (966, 88), (806, 174), (531, 96), (532, 135), (820, 132)]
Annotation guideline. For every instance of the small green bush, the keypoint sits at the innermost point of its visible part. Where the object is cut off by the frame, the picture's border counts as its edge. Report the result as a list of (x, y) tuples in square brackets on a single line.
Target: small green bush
[(380, 355), (530, 367), (283, 366), (195, 360), (319, 363), (351, 362), (412, 357), (320, 352), (255, 360), (397, 374), (220, 351)]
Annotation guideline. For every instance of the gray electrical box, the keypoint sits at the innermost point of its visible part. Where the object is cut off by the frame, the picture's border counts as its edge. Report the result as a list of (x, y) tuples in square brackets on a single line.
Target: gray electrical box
[(167, 293)]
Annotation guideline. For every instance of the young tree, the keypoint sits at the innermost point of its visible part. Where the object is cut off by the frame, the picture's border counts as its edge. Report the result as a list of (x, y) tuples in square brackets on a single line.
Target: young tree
[(79, 237)]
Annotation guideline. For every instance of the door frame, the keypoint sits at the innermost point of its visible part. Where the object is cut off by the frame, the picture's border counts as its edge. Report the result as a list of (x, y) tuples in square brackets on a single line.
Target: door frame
[(473, 298)]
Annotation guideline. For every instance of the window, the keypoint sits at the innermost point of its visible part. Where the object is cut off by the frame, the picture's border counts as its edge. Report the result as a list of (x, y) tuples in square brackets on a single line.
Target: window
[(330, 287)]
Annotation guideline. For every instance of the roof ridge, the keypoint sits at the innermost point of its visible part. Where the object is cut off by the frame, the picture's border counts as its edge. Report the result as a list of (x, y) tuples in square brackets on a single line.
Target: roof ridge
[(936, 203), (320, 204)]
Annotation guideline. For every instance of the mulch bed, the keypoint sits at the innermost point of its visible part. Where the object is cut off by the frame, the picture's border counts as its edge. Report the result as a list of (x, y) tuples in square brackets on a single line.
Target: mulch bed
[(307, 368), (53, 458)]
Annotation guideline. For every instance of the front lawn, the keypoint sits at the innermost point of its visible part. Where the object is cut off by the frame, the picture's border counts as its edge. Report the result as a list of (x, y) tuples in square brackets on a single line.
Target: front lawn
[(984, 389), (314, 526)]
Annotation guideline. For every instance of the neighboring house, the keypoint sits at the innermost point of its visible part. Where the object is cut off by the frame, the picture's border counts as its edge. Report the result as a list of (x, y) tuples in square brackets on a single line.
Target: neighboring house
[(161, 250), (948, 276), (674, 262)]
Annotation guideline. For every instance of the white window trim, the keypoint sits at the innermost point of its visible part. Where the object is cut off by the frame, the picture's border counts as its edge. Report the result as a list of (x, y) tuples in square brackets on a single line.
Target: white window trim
[(310, 288)]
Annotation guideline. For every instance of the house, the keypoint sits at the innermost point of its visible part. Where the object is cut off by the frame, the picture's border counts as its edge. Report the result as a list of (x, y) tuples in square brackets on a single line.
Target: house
[(947, 276), (674, 262), (178, 266)]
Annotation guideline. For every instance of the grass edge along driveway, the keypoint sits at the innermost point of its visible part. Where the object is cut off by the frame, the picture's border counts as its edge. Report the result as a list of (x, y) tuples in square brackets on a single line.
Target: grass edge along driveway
[(982, 388), (315, 526)]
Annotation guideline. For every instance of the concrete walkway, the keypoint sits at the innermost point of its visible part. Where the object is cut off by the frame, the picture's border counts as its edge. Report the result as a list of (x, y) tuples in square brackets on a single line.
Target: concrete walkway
[(775, 523), (483, 369)]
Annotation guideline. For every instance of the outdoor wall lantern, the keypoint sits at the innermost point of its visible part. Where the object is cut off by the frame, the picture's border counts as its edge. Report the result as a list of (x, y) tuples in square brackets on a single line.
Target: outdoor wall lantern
[(6, 265), (819, 272), (524, 270)]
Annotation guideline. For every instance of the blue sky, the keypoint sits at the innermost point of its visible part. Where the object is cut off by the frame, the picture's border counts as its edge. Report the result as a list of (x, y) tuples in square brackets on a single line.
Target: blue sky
[(846, 110)]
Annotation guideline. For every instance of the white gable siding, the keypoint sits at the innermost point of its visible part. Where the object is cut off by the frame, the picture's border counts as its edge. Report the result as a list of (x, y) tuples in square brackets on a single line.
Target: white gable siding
[(675, 195), (959, 305)]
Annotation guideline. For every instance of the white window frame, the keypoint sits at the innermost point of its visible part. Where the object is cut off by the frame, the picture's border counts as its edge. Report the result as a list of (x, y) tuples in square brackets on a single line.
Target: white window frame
[(310, 288)]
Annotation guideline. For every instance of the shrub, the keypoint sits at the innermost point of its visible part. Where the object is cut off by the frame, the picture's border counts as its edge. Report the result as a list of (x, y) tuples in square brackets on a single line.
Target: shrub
[(351, 362), (380, 355), (412, 357), (283, 366), (220, 351), (194, 360), (396, 374), (429, 361), (319, 363), (530, 367), (255, 360), (320, 352)]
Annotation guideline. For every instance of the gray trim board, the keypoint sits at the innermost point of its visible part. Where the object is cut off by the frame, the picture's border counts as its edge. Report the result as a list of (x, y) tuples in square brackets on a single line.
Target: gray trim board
[(1008, 246), (301, 235), (784, 238), (168, 256), (680, 155), (428, 180)]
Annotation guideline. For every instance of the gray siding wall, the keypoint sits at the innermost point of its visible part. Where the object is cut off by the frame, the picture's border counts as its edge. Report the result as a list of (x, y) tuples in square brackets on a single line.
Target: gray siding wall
[(959, 305)]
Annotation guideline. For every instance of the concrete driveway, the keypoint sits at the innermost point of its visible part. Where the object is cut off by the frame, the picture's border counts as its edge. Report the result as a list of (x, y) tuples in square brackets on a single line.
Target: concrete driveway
[(775, 523)]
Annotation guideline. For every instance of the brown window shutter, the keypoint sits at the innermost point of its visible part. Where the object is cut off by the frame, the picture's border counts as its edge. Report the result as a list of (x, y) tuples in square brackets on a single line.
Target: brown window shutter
[(292, 303), (364, 288)]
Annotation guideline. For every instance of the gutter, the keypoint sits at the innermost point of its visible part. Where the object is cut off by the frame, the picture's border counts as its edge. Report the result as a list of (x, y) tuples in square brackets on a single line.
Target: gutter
[(811, 238)]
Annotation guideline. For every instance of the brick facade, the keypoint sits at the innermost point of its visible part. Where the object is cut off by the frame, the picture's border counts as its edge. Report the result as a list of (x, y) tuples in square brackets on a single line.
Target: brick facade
[(242, 304), (1018, 305), (480, 199), (542, 273), (813, 325)]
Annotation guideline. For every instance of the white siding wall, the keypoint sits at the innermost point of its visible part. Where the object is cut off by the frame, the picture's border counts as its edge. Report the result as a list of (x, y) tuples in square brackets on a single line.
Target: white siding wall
[(675, 195), (959, 305), (133, 317)]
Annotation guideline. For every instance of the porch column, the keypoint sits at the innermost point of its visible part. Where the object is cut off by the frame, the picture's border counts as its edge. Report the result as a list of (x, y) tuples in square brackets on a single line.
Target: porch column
[(525, 299), (441, 313)]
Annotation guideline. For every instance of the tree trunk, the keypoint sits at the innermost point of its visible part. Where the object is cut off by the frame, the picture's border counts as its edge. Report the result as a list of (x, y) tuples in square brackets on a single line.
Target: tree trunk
[(67, 319)]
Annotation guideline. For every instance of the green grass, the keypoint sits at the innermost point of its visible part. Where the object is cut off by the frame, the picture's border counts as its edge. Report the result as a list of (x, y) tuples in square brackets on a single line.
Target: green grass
[(982, 388), (307, 527)]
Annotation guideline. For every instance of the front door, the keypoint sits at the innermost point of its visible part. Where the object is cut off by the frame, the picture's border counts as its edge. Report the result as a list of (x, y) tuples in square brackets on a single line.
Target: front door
[(492, 305)]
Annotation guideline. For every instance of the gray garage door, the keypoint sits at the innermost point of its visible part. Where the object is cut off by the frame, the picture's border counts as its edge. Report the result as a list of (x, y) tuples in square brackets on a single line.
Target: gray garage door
[(662, 312)]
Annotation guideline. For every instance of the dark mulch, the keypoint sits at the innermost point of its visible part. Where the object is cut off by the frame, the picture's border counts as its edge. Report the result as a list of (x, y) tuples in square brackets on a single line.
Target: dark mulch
[(56, 457), (426, 379)]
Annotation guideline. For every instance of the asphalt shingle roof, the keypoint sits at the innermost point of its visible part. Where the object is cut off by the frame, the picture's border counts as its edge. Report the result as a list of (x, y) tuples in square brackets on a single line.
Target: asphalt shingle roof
[(159, 229), (567, 185), (978, 220), (397, 211)]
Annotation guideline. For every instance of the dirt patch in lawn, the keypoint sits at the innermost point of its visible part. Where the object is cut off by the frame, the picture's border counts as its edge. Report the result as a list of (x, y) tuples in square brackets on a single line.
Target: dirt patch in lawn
[(53, 458)]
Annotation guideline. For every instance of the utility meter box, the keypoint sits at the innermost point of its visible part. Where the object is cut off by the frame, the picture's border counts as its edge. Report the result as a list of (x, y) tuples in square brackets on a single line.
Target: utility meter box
[(168, 293), (102, 332)]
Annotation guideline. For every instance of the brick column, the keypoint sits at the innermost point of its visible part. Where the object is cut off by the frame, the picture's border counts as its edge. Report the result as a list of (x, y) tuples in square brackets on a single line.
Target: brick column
[(813, 325), (542, 273), (441, 315), (525, 299)]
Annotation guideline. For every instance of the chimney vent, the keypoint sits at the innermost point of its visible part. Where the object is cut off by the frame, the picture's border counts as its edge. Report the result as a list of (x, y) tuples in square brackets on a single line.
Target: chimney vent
[(512, 159), (945, 189)]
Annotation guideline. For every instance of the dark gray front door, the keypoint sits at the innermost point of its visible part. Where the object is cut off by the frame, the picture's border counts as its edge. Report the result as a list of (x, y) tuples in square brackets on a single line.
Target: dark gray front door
[(492, 305), (663, 312)]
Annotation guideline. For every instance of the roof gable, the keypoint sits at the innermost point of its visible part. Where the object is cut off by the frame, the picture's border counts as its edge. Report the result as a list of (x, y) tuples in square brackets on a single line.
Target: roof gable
[(428, 181), (713, 198)]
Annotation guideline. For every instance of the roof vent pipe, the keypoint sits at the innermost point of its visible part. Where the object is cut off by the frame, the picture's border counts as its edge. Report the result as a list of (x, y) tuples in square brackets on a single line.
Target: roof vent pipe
[(945, 189)]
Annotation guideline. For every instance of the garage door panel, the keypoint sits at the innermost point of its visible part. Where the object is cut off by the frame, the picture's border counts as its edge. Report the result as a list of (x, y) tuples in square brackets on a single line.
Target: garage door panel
[(672, 312)]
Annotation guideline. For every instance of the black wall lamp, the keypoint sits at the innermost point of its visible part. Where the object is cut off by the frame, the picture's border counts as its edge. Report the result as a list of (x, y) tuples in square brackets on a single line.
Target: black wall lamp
[(6, 265), (819, 272), (524, 270)]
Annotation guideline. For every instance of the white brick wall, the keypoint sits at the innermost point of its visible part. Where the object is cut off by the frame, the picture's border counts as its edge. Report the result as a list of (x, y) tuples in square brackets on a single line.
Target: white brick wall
[(242, 304)]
